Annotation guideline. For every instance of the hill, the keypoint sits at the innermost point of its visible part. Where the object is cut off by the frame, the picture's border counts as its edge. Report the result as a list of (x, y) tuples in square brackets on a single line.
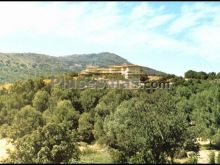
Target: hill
[(18, 66)]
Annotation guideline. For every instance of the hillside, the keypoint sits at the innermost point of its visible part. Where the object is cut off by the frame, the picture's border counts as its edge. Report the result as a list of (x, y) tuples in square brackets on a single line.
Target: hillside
[(17, 66)]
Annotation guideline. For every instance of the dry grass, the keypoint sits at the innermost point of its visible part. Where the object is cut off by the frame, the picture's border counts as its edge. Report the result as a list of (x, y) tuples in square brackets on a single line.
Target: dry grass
[(94, 154), (9, 85), (47, 81), (5, 86), (154, 78), (181, 161)]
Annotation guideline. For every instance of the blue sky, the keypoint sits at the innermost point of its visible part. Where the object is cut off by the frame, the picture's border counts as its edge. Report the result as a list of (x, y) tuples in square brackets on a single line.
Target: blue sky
[(169, 36)]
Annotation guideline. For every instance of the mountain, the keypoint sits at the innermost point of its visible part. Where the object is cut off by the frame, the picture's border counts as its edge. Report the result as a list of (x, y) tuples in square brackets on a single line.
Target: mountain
[(78, 62), (16, 66)]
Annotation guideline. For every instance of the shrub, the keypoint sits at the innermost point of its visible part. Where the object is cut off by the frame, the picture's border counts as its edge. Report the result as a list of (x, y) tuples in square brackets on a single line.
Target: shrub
[(117, 156), (212, 158), (181, 154), (216, 140), (88, 151), (218, 158), (192, 160)]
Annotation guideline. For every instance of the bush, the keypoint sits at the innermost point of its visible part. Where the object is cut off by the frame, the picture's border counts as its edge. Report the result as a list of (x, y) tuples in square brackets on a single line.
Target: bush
[(85, 128), (192, 160), (53, 143), (117, 156), (191, 145), (216, 140), (88, 151), (212, 158), (218, 158), (181, 154)]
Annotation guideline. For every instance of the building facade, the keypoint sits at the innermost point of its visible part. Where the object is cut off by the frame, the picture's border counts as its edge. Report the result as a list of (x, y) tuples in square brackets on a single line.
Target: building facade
[(126, 70)]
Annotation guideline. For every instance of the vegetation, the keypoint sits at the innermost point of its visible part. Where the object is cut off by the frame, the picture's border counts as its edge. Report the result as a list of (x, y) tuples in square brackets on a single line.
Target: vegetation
[(155, 123), (212, 158), (202, 75), (47, 123), (192, 160), (22, 66), (94, 153), (218, 158), (53, 143)]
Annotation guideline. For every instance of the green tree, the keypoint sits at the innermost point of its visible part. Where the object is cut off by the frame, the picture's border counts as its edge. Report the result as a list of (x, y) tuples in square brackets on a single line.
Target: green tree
[(25, 121), (145, 131), (183, 91), (197, 75), (190, 74), (216, 139), (211, 75), (60, 93), (203, 75), (101, 111), (63, 113), (205, 112), (107, 105), (85, 127), (51, 144), (40, 101), (89, 98), (218, 75)]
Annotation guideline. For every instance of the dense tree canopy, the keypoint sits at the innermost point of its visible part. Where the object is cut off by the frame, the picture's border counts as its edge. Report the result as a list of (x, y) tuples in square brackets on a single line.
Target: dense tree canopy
[(40, 101), (202, 75), (51, 144), (25, 121), (155, 130), (137, 126)]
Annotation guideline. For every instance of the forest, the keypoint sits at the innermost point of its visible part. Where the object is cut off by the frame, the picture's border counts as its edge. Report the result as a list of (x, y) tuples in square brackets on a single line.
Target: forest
[(47, 123)]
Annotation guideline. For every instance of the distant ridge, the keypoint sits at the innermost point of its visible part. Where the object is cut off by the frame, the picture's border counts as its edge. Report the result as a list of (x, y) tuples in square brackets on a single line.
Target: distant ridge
[(17, 66)]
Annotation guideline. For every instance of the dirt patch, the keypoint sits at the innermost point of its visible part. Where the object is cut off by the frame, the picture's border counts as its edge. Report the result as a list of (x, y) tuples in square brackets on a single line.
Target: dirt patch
[(95, 147), (4, 146), (203, 156)]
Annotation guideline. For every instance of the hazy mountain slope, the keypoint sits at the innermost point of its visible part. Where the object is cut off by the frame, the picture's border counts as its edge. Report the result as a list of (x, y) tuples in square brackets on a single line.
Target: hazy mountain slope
[(153, 71), (100, 59), (16, 66)]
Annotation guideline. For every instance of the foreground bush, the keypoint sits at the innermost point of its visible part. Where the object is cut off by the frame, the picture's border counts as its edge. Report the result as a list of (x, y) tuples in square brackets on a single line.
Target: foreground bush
[(212, 158), (51, 144)]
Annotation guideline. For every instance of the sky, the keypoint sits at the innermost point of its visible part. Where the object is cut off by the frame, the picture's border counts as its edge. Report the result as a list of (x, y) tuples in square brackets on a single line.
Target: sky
[(172, 37)]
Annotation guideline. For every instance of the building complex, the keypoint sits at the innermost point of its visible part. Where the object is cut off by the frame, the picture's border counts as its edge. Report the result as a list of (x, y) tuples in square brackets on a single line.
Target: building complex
[(126, 70)]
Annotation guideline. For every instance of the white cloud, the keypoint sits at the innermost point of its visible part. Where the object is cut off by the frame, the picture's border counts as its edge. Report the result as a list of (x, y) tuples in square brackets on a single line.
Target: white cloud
[(200, 26), (184, 22), (41, 18), (142, 10), (206, 39), (76, 19), (104, 25), (193, 15), (159, 20)]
